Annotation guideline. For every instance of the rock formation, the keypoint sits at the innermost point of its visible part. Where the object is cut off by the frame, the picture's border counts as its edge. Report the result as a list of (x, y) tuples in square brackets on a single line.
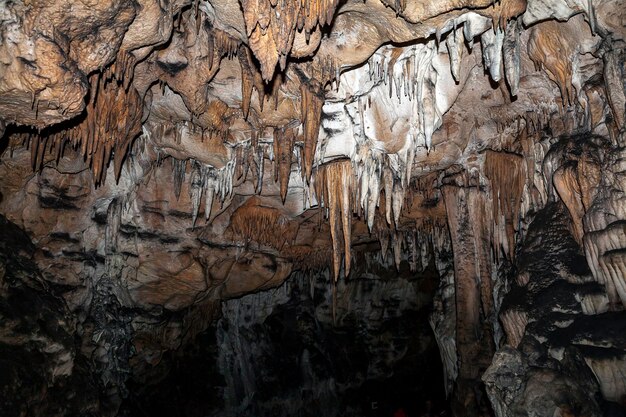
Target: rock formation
[(165, 163)]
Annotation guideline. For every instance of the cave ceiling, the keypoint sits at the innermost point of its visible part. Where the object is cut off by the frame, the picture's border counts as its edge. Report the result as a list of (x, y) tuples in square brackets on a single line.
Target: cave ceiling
[(168, 157), (209, 148)]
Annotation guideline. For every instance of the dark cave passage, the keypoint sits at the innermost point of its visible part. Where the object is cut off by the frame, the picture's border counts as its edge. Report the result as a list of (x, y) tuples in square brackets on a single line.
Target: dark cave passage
[(279, 353)]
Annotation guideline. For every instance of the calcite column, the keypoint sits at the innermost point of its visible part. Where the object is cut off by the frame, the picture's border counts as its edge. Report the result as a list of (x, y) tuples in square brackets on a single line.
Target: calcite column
[(471, 241)]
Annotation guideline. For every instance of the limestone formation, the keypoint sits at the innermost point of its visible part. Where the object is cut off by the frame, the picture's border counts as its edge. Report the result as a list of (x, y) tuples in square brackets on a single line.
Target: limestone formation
[(166, 162)]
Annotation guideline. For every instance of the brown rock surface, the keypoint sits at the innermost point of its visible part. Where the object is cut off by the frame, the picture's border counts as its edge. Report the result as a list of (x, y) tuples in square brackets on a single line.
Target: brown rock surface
[(166, 156)]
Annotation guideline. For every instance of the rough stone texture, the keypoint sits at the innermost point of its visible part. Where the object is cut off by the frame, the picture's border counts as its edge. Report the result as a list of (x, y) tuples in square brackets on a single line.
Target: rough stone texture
[(281, 352), (553, 338), (40, 358), (165, 157)]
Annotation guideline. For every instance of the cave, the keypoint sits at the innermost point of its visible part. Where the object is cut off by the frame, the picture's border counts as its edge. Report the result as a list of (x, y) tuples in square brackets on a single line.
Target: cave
[(355, 208)]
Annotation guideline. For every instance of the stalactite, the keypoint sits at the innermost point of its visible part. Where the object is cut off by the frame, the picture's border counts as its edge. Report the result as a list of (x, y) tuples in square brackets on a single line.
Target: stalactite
[(265, 225), (122, 69), (511, 55), (196, 188), (507, 176), (179, 168), (283, 151), (271, 27), (111, 122), (114, 221), (615, 90), (492, 42), (226, 45), (312, 100), (550, 49), (259, 159), (209, 182), (250, 79), (454, 44), (277, 139), (335, 187)]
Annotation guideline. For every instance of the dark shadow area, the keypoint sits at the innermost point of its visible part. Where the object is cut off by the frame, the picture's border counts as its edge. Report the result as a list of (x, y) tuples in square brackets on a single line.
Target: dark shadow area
[(280, 353)]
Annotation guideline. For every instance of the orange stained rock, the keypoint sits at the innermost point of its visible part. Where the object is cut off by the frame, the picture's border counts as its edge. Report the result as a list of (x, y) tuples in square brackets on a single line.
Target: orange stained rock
[(505, 10), (312, 101), (271, 27), (335, 186), (111, 122), (567, 186), (265, 225), (507, 174), (551, 46), (283, 151)]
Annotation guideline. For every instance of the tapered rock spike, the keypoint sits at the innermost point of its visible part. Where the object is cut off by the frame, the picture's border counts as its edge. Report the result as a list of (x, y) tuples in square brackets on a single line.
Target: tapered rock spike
[(284, 162), (511, 54), (311, 114), (454, 43), (335, 186), (179, 171)]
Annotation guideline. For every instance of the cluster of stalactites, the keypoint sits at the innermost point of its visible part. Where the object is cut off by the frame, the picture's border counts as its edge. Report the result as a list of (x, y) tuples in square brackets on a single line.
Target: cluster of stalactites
[(262, 224), (111, 121), (335, 186), (390, 237), (411, 74), (499, 39), (419, 230), (417, 240), (272, 24), (204, 181), (506, 173)]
